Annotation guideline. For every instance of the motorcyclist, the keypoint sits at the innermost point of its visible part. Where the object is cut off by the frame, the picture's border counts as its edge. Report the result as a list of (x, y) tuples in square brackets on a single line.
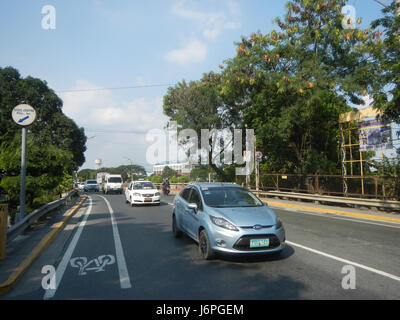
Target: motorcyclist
[(165, 186)]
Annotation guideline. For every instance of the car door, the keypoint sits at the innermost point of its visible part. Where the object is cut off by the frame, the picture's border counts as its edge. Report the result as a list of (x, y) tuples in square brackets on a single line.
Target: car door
[(192, 218), (181, 204)]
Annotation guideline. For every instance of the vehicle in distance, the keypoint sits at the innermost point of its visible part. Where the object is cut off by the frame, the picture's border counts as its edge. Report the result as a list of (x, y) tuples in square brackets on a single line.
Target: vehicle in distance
[(113, 184), (226, 218), (101, 177), (142, 192), (91, 185), (81, 186)]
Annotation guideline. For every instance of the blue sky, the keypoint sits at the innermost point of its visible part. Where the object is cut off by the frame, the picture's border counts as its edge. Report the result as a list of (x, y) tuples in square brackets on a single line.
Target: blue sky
[(107, 44)]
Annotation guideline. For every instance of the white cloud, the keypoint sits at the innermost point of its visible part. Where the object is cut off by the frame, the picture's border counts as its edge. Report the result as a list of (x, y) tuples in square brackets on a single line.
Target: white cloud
[(194, 52), (209, 24), (118, 127), (78, 102), (212, 23), (94, 108)]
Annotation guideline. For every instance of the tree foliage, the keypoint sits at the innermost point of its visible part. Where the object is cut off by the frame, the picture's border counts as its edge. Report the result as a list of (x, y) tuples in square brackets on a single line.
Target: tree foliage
[(198, 105), (386, 90), (290, 85), (168, 173), (55, 144)]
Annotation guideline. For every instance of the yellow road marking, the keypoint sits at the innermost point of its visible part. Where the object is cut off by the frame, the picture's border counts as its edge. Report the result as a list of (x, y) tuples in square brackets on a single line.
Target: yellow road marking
[(345, 213)]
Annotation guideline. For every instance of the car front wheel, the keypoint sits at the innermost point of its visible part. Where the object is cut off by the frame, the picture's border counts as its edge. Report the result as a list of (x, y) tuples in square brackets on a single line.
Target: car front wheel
[(205, 247)]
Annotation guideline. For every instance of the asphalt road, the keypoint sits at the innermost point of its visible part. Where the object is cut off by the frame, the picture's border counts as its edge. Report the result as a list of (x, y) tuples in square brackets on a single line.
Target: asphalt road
[(110, 250)]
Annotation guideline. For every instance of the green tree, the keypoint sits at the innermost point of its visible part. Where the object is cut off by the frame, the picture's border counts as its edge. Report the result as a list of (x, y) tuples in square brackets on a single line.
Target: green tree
[(200, 173), (46, 175), (197, 105), (385, 63), (156, 178), (168, 173), (292, 83), (183, 179), (55, 144), (52, 126)]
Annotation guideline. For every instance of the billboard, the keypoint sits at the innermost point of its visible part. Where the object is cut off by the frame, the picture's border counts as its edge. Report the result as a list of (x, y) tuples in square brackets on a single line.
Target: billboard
[(375, 135)]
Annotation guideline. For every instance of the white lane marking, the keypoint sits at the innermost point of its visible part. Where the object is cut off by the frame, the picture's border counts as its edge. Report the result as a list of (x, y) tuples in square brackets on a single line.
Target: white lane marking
[(382, 273), (69, 227), (68, 254), (334, 216), (124, 279)]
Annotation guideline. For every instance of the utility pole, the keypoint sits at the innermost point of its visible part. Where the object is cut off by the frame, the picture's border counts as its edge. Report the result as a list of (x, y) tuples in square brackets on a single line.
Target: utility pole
[(131, 171), (257, 165)]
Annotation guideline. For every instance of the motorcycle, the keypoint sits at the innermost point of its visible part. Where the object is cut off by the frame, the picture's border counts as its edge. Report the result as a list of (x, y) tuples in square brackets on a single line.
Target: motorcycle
[(165, 191)]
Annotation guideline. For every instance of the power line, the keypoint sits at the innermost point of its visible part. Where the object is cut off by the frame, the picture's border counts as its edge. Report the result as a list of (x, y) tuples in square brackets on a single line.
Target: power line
[(381, 3), (117, 88)]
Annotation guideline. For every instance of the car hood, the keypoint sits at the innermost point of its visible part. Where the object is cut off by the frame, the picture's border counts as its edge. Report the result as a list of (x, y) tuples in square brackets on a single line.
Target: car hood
[(145, 191), (246, 216)]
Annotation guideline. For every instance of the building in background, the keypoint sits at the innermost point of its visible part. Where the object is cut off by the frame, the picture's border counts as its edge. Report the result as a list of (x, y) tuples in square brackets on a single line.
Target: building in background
[(180, 168)]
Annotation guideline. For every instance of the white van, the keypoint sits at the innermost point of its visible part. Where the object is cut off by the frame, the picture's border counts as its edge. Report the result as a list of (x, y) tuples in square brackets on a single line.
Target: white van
[(113, 184)]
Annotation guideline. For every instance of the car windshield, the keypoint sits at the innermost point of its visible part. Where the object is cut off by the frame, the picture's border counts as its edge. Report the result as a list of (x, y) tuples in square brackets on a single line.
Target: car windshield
[(91, 182), (143, 185), (229, 197), (115, 180)]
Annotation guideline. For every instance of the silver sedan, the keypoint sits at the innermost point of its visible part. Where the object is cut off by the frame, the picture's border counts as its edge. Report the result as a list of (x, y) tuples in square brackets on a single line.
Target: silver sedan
[(226, 218)]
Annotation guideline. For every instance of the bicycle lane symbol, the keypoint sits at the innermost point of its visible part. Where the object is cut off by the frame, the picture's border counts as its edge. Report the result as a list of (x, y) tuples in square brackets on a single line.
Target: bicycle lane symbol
[(97, 264)]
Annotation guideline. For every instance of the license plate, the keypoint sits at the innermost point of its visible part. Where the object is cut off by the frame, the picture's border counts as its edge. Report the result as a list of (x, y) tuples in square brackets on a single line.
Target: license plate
[(148, 199), (259, 243)]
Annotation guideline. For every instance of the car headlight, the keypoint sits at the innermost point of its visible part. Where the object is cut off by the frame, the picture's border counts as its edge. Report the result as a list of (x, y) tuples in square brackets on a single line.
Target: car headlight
[(157, 194), (221, 222), (136, 194), (278, 224)]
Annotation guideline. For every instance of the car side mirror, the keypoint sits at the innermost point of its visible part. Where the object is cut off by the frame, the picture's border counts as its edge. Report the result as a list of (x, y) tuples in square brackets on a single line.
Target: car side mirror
[(193, 206)]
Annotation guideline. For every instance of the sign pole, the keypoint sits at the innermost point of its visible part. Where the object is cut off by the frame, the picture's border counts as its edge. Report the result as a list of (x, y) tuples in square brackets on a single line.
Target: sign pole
[(258, 158), (3, 230), (23, 115), (21, 212)]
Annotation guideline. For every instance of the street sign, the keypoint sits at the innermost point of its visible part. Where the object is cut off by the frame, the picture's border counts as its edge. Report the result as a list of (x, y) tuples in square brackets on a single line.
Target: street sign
[(259, 155), (24, 115)]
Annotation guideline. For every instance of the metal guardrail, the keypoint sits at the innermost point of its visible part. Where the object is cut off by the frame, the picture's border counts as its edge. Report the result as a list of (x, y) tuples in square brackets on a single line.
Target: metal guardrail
[(31, 218), (377, 203)]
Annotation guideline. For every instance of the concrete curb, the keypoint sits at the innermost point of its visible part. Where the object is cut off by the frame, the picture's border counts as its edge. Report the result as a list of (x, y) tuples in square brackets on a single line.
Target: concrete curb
[(333, 211), (43, 244)]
